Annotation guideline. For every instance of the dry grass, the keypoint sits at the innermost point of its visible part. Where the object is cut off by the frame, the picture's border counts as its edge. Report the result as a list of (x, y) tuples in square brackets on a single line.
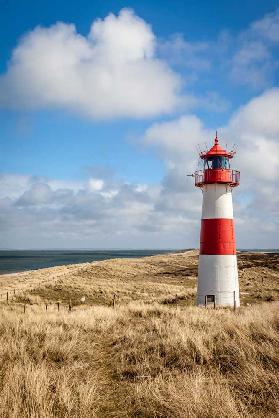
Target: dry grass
[(140, 361), (160, 358)]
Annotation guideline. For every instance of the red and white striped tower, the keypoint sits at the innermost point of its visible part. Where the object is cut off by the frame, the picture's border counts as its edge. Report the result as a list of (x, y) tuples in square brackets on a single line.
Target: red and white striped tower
[(218, 275)]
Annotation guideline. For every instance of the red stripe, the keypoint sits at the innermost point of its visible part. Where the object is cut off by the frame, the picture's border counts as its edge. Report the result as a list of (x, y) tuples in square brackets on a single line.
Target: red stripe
[(217, 237)]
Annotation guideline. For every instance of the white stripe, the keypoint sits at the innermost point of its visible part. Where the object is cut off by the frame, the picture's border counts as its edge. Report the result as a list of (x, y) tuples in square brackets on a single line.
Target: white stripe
[(217, 201), (218, 276)]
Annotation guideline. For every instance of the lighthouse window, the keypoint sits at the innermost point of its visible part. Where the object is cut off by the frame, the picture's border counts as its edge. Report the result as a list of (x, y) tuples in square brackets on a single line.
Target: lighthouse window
[(220, 162)]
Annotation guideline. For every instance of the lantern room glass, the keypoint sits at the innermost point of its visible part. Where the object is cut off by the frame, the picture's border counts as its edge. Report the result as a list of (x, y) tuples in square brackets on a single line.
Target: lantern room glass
[(217, 162)]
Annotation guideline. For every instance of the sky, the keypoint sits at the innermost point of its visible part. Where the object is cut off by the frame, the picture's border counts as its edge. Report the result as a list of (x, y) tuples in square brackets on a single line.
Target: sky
[(104, 107)]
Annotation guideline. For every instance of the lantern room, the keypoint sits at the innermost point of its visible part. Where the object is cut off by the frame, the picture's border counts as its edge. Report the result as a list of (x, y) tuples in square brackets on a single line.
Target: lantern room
[(216, 167)]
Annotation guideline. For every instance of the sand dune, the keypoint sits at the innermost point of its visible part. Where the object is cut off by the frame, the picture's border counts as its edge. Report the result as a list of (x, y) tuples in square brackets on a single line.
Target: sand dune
[(168, 278)]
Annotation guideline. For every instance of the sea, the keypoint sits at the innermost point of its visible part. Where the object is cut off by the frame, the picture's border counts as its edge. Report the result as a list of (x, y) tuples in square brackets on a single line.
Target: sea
[(13, 261)]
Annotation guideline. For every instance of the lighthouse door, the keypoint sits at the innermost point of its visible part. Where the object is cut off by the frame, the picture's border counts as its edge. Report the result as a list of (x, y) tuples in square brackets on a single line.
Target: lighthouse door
[(209, 299)]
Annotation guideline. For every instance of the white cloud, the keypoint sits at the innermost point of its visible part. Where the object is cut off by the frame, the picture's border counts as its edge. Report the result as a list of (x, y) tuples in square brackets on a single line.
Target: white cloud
[(254, 128), (64, 184), (113, 72), (251, 64), (95, 184), (268, 26), (191, 55), (177, 140), (260, 115), (12, 185), (254, 60), (39, 194), (248, 58)]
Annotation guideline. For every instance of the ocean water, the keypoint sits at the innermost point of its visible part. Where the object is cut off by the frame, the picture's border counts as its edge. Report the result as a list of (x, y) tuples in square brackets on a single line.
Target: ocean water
[(12, 261)]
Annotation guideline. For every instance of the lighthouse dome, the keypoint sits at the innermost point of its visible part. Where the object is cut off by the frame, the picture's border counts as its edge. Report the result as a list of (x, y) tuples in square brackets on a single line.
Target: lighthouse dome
[(216, 150)]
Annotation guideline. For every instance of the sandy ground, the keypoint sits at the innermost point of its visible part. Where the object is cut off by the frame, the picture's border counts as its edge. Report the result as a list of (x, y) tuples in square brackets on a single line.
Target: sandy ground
[(168, 279)]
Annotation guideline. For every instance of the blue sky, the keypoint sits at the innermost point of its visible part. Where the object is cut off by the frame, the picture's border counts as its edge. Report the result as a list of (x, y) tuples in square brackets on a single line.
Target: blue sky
[(102, 113)]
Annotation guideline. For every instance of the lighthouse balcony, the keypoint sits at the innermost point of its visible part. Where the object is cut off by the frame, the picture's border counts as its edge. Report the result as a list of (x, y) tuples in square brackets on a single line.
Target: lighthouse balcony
[(211, 176)]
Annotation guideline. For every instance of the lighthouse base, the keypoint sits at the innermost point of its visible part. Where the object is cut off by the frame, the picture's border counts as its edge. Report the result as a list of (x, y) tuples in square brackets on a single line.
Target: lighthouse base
[(218, 276)]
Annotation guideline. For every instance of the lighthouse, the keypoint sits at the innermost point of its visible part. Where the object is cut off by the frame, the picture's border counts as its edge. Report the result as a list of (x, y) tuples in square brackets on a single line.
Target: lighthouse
[(217, 275)]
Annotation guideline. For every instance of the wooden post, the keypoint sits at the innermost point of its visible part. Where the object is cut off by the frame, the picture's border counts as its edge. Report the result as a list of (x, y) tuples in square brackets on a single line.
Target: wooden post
[(214, 302), (58, 306), (70, 305), (205, 301), (262, 279), (46, 306), (24, 308), (7, 296), (234, 301)]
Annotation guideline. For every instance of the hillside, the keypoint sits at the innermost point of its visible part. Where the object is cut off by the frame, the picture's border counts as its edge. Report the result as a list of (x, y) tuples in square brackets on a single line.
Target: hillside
[(152, 355)]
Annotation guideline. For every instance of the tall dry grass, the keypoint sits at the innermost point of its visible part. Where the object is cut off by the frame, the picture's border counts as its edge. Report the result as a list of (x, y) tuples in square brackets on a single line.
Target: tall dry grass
[(203, 364), (139, 360)]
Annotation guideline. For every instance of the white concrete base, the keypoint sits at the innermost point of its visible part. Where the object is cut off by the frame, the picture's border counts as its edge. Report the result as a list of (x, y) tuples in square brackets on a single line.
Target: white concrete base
[(218, 276)]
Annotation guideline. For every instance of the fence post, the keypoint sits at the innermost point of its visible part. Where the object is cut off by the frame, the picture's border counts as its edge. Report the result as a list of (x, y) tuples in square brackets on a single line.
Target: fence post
[(214, 301), (24, 308), (70, 305), (46, 306), (234, 301), (205, 301), (58, 306)]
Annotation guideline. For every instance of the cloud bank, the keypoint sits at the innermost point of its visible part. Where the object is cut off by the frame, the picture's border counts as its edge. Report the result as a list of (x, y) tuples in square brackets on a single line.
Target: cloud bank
[(104, 212)]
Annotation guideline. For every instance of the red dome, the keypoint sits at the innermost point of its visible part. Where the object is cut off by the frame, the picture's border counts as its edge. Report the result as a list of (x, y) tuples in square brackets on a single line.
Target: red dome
[(216, 150)]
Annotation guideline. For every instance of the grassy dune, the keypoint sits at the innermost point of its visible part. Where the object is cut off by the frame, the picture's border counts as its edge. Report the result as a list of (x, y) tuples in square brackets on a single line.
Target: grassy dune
[(153, 355)]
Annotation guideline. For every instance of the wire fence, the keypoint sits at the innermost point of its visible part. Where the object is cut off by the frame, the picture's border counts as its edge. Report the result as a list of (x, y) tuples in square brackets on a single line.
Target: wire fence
[(11, 298)]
